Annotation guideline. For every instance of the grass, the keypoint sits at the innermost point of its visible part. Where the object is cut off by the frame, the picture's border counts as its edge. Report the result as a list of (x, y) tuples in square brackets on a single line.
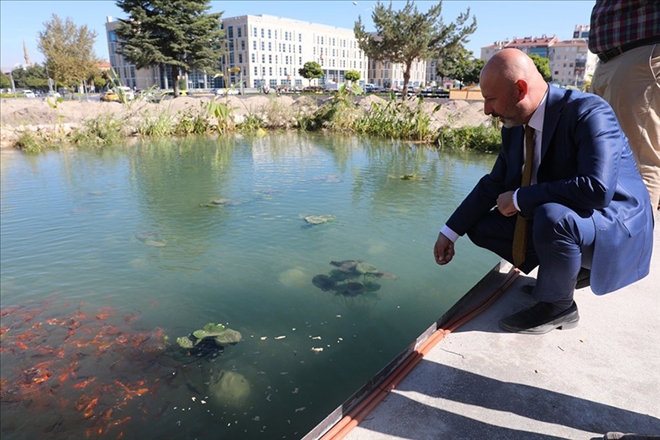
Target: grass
[(392, 119)]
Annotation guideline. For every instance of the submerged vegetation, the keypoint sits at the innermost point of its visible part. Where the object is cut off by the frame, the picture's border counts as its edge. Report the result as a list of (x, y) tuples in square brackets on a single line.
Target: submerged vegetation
[(390, 119)]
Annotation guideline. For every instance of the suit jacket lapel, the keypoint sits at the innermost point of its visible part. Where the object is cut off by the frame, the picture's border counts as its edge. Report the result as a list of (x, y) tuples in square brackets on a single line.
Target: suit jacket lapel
[(553, 108)]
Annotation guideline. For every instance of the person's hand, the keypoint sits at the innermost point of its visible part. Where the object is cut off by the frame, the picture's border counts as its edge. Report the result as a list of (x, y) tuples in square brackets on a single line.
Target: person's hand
[(505, 204), (443, 249)]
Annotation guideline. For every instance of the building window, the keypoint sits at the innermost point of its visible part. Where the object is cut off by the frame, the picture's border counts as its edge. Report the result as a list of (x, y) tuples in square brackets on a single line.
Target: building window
[(238, 32), (254, 44), (256, 71), (263, 58), (262, 33), (230, 32), (269, 33), (254, 60), (263, 46), (270, 46), (255, 32), (270, 71), (240, 58), (270, 59), (242, 44)]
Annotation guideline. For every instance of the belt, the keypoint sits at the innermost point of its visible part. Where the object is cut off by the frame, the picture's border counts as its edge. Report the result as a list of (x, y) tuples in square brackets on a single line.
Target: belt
[(613, 53)]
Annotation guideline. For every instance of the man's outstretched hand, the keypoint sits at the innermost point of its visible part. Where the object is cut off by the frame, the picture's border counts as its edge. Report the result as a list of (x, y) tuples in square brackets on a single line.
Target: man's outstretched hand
[(443, 249)]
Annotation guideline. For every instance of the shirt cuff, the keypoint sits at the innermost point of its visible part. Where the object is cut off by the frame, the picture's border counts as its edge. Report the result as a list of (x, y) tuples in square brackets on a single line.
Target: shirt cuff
[(515, 199), (449, 233)]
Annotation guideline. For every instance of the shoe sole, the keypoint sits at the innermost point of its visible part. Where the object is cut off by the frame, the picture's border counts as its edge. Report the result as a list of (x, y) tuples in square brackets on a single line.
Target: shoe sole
[(564, 323)]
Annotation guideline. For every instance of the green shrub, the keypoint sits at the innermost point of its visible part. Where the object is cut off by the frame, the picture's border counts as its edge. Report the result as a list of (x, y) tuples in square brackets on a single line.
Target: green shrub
[(103, 131), (29, 143), (478, 138)]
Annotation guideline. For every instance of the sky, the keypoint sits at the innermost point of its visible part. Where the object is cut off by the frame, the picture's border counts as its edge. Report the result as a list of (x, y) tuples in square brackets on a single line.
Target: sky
[(22, 20)]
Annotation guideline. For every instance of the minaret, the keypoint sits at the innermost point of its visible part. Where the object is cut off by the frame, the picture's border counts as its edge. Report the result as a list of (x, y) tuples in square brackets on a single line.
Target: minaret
[(26, 56)]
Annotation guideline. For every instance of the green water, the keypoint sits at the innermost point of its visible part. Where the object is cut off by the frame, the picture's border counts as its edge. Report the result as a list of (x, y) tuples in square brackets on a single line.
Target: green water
[(104, 253)]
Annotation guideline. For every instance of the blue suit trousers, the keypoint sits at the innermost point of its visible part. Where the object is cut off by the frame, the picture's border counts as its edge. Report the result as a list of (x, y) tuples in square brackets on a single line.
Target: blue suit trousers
[(560, 241)]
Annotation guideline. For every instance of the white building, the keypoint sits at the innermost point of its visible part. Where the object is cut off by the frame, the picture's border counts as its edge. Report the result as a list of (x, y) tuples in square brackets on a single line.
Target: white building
[(270, 50), (260, 49)]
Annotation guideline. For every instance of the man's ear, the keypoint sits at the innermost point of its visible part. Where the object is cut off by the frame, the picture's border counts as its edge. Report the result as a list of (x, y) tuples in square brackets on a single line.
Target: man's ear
[(522, 89)]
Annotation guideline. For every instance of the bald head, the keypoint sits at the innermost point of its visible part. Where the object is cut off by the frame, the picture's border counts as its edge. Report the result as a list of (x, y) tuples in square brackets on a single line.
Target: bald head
[(511, 76)]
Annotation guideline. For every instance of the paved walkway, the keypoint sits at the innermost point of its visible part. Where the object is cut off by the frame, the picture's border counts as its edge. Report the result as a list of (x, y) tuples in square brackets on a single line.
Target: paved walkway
[(482, 383)]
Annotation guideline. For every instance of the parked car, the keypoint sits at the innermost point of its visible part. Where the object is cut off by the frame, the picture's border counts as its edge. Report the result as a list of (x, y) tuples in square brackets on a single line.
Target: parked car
[(127, 92), (110, 96), (53, 94), (225, 91), (28, 94), (372, 88)]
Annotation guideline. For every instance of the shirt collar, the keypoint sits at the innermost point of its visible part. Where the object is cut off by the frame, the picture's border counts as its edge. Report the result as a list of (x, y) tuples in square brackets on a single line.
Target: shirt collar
[(536, 121)]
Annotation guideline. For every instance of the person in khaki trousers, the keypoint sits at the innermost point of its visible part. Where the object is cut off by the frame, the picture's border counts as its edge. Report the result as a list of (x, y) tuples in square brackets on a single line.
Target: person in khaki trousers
[(625, 35)]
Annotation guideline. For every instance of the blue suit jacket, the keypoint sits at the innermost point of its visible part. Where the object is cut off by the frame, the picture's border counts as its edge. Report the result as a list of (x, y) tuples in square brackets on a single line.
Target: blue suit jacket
[(586, 165)]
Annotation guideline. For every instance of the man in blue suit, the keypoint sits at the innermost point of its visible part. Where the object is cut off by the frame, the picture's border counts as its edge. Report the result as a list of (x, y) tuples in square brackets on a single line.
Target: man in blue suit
[(584, 207)]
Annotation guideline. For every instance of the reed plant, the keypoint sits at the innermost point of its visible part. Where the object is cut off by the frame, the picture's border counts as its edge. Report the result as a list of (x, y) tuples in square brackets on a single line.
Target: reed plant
[(192, 122), (479, 138), (396, 120), (105, 130), (30, 143), (157, 126), (340, 114)]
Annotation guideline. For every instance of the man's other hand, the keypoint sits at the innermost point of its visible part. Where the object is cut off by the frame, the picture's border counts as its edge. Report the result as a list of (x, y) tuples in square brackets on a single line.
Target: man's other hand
[(443, 249)]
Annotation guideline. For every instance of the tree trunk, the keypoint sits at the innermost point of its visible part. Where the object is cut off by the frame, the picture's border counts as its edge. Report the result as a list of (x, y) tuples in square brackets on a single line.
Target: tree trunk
[(406, 79), (176, 73)]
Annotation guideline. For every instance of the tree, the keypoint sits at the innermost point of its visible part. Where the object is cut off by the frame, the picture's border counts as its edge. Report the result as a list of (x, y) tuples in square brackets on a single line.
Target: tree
[(5, 82), (311, 70), (407, 35), (462, 66), (352, 75), (33, 77), (542, 65), (180, 34), (69, 51)]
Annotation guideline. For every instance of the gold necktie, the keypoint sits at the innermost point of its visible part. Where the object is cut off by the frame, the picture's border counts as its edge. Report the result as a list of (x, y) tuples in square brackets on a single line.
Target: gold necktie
[(520, 233)]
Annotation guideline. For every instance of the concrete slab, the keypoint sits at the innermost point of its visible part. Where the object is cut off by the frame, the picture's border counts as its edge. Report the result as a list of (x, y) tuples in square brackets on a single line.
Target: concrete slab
[(481, 382)]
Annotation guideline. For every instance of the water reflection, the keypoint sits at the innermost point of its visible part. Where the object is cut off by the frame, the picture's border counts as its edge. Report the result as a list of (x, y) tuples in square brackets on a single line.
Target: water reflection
[(106, 254)]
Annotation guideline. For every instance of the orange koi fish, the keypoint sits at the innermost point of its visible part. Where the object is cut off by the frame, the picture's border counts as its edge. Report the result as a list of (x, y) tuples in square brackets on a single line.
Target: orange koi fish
[(89, 409), (84, 383)]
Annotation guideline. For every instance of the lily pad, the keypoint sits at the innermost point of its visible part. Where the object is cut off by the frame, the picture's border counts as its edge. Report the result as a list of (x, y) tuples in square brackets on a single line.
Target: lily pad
[(345, 265), (365, 268), (319, 219), (185, 342), (353, 289), (229, 336), (209, 330), (324, 282)]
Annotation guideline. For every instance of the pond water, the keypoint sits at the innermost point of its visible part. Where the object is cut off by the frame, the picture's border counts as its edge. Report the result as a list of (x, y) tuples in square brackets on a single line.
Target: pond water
[(109, 256)]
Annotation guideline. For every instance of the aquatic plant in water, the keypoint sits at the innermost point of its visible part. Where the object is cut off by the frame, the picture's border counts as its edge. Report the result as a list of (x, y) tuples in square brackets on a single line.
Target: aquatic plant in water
[(351, 278)]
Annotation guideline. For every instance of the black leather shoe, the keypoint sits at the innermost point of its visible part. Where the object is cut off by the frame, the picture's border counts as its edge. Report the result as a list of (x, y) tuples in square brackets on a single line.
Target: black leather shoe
[(583, 280), (540, 319)]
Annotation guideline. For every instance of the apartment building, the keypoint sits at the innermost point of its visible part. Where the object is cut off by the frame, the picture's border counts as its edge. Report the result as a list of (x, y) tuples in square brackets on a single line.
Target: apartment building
[(270, 50), (570, 61), (389, 75), (267, 50), (260, 50), (530, 45)]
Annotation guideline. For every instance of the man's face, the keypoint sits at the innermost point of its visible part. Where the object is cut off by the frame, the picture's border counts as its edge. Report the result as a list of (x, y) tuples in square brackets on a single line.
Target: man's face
[(501, 102)]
